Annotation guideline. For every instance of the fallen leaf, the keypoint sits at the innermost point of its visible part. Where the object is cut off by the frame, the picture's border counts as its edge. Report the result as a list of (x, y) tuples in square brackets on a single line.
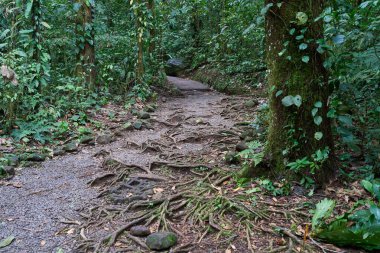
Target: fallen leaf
[(228, 251), (237, 189), (71, 231), (158, 190), (43, 242), (7, 241), (233, 247)]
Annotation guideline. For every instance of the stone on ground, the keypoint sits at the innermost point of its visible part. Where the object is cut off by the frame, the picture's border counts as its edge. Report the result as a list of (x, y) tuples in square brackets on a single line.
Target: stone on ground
[(71, 147), (105, 139), (161, 240), (140, 231)]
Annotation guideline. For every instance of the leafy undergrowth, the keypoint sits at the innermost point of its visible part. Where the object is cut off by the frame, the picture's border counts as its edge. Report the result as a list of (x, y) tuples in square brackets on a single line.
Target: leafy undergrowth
[(230, 83), (31, 143), (359, 227)]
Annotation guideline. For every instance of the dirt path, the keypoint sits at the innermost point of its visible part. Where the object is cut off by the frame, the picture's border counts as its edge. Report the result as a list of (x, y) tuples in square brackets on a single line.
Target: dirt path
[(51, 195)]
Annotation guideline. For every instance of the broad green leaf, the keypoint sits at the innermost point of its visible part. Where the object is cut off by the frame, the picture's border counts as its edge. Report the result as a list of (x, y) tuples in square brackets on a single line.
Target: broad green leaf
[(253, 190), (360, 229), (287, 101), (318, 120), (302, 46), (365, 4), (314, 111), (7, 241), (339, 39), (318, 136), (301, 18), (28, 9), (25, 31), (45, 24), (318, 104), (20, 53), (367, 185), (278, 93), (4, 33), (323, 211), (327, 18), (345, 119), (305, 59), (297, 100)]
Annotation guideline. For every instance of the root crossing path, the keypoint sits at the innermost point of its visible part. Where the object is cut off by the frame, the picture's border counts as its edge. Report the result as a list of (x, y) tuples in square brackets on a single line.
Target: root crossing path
[(86, 201)]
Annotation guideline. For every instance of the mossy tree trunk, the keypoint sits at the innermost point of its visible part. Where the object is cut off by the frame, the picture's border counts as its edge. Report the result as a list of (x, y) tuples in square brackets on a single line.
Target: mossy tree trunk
[(86, 43), (299, 90)]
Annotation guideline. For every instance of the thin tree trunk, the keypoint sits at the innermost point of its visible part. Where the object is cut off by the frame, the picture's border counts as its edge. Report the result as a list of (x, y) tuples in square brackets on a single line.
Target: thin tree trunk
[(152, 29), (36, 23), (140, 46), (86, 32)]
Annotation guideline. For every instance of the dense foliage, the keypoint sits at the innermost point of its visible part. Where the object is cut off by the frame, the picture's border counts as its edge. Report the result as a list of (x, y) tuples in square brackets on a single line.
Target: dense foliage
[(43, 43)]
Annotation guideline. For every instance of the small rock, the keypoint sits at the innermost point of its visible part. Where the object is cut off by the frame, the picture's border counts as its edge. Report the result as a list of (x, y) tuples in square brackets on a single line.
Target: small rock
[(247, 133), (148, 125), (135, 112), (161, 240), (150, 108), (144, 115), (241, 146), (35, 158), (299, 190), (58, 151), (87, 139), (10, 170), (119, 132), (251, 103), (117, 199), (13, 160), (71, 147), (137, 125), (231, 158), (140, 231), (105, 139)]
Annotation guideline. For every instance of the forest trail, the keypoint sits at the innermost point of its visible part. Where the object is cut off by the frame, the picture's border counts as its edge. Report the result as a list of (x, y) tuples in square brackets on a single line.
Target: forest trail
[(41, 212)]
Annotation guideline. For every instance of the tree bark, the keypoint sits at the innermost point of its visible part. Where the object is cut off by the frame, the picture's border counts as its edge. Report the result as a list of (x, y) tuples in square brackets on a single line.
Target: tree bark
[(292, 129), (152, 29), (86, 55), (36, 35), (140, 45)]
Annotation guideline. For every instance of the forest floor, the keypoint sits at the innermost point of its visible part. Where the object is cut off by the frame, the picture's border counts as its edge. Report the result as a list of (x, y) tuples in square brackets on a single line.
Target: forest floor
[(169, 175)]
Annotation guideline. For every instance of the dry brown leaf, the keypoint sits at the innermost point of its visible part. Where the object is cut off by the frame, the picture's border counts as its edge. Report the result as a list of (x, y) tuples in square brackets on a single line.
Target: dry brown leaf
[(158, 190), (71, 231)]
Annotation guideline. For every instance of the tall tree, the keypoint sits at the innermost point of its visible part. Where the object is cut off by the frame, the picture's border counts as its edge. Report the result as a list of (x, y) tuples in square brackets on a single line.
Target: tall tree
[(86, 42), (152, 28), (140, 43), (36, 13), (299, 91)]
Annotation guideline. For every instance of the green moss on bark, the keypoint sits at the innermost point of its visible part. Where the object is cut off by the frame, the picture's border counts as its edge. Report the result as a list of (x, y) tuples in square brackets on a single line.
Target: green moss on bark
[(289, 74)]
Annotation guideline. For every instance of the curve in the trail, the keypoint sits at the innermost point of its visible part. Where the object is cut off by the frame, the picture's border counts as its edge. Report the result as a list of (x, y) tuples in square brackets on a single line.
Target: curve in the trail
[(187, 85)]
